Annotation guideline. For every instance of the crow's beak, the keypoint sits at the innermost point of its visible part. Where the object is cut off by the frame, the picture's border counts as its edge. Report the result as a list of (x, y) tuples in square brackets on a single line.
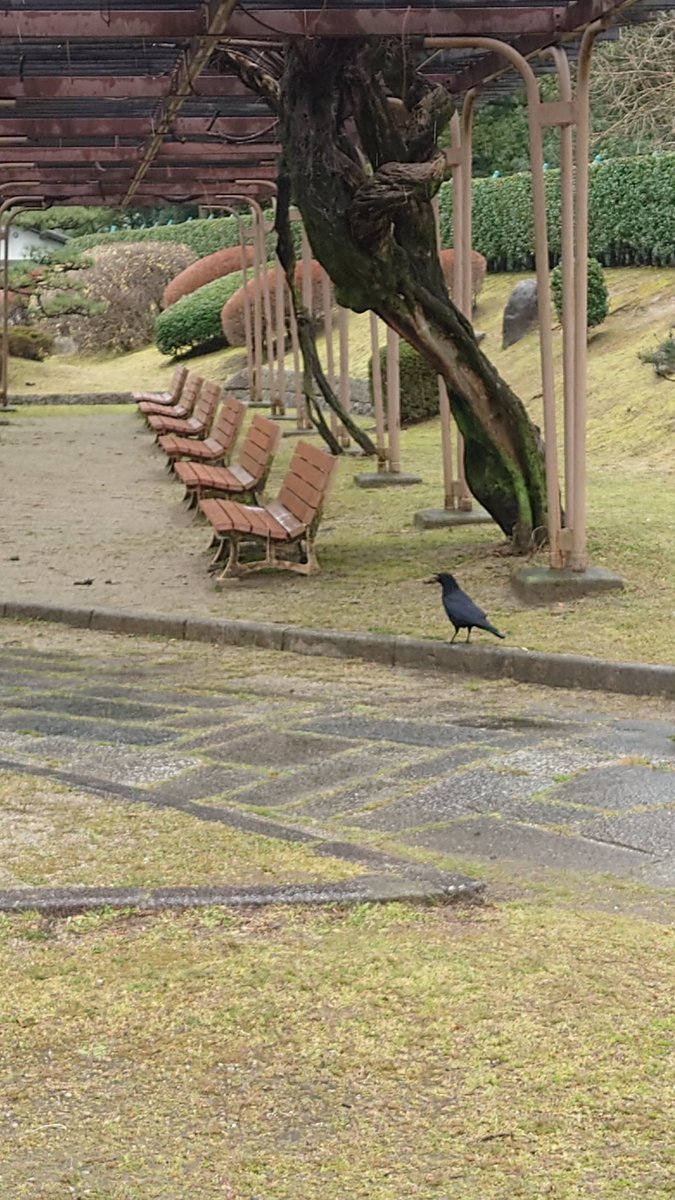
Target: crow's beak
[(432, 580)]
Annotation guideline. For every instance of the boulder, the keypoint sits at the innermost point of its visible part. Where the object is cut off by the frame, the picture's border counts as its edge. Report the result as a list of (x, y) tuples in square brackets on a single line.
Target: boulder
[(520, 314)]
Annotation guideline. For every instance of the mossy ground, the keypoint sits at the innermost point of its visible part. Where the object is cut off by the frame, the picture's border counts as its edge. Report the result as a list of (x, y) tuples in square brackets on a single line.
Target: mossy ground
[(375, 1053), (374, 561)]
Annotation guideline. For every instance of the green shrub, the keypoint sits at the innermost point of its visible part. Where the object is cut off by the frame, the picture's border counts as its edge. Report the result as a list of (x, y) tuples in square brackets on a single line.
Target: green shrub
[(26, 342), (662, 358), (631, 215), (194, 320), (598, 296), (204, 236), (419, 385)]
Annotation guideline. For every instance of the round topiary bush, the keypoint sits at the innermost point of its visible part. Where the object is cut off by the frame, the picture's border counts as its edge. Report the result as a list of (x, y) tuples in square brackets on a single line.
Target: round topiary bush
[(419, 385), (194, 320), (478, 272), (205, 270), (25, 341), (233, 311), (598, 296)]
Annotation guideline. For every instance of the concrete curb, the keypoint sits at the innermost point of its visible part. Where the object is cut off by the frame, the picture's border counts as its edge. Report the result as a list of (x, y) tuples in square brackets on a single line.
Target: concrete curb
[(485, 662), (373, 889)]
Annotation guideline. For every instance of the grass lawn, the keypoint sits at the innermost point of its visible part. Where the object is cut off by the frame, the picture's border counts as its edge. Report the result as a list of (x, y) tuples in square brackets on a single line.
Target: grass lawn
[(503, 1053)]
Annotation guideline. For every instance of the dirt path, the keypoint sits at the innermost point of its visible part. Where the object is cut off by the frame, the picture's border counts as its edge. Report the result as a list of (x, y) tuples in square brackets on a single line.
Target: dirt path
[(85, 497)]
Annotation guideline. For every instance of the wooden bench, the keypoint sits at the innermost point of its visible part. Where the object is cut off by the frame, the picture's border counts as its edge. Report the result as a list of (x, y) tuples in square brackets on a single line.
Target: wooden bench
[(189, 396), (196, 426), (217, 447), (248, 476), (167, 399), (286, 529)]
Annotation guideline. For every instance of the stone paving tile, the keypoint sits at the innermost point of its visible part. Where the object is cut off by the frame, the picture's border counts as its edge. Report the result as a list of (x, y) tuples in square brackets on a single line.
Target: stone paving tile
[(541, 849), (618, 787), (652, 831), (201, 783), (80, 727), (406, 732), (320, 776), (117, 764), (277, 748), (410, 779), (167, 696), (76, 705), (479, 790)]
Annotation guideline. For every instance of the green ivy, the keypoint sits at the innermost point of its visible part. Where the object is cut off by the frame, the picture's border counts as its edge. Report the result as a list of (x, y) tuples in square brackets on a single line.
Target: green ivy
[(195, 319), (598, 296)]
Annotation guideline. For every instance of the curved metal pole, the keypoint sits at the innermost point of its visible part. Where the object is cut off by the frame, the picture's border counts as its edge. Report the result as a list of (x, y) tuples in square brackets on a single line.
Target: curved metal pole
[(562, 64), (12, 202), (466, 297), (578, 552), (248, 331), (541, 255), (258, 287)]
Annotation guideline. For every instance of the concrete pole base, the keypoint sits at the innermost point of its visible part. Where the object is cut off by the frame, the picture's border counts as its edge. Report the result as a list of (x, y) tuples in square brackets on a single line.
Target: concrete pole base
[(447, 518), (378, 479), (542, 585)]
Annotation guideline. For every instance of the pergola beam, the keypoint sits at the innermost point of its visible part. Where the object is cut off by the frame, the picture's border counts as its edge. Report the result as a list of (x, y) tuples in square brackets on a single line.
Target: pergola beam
[(38, 128), (172, 153), (189, 69), (113, 87)]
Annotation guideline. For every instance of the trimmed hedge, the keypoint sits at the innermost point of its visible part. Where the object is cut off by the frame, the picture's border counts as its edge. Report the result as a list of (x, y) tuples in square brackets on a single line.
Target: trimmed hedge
[(205, 270), (203, 236), (598, 295), (194, 320), (631, 218), (631, 215), (419, 384), (233, 324)]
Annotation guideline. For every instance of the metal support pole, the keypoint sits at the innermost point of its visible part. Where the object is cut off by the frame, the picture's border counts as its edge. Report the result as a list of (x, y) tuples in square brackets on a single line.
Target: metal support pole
[(378, 396), (561, 61), (345, 389), (444, 412), (280, 298), (541, 256), (578, 552), (307, 283), (327, 302), (393, 401), (12, 202)]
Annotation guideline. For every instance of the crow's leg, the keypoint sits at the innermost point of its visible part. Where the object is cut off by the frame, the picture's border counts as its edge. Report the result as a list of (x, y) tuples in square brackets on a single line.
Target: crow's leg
[(468, 634), (456, 628)]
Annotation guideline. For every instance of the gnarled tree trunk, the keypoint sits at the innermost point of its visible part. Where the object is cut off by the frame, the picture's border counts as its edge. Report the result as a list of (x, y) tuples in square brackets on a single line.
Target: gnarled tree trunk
[(359, 131)]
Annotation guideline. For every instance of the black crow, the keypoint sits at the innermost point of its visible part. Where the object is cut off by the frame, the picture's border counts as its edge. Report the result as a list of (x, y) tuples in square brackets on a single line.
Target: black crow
[(461, 610)]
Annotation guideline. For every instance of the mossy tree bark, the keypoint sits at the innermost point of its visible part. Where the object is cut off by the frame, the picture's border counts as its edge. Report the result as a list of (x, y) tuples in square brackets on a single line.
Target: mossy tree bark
[(359, 131)]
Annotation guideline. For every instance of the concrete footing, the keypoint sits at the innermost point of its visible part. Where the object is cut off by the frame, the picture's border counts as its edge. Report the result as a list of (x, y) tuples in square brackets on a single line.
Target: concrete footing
[(377, 479), (541, 585), (447, 518)]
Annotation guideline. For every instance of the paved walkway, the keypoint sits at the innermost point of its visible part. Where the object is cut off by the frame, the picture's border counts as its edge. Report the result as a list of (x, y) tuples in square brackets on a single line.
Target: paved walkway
[(403, 761)]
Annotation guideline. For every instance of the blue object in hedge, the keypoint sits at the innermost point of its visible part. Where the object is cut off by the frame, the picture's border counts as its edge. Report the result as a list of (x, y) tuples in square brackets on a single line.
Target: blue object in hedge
[(496, 174), (599, 158)]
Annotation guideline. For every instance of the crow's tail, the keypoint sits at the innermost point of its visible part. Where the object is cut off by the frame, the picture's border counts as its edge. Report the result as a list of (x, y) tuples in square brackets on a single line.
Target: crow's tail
[(491, 629)]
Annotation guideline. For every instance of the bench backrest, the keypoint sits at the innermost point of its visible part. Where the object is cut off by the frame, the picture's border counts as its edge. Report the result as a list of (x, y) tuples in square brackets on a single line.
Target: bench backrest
[(178, 383), (191, 389), (207, 403), (228, 423), (307, 482), (260, 445)]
